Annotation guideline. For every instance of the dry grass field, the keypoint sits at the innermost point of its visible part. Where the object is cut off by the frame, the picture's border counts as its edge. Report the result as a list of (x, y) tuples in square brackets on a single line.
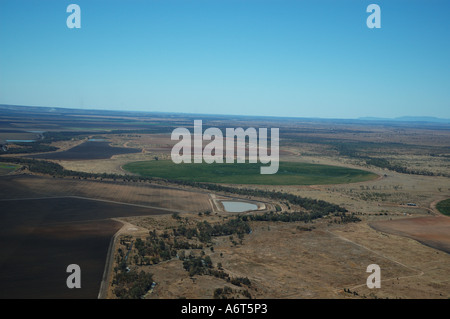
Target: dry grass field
[(285, 261)]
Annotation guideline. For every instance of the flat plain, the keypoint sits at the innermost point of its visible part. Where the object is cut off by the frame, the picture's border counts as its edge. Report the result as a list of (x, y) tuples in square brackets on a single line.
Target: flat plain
[(392, 220)]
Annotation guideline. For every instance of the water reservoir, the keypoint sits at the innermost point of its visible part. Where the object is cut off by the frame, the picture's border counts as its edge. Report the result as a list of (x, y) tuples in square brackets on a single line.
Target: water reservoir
[(238, 207)]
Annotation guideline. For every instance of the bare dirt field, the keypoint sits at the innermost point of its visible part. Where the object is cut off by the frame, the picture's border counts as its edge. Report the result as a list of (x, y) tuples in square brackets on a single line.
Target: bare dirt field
[(44, 236), (432, 231), (144, 194)]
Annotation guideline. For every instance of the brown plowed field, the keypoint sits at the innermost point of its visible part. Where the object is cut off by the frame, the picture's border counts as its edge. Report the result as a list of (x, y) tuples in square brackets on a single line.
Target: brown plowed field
[(431, 231), (136, 193), (41, 237)]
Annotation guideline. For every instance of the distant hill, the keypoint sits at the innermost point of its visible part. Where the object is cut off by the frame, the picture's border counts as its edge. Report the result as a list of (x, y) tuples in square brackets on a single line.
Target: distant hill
[(429, 119)]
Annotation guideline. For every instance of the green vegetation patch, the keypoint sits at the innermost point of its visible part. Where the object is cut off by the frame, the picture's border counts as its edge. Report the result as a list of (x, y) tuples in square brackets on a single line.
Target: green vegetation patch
[(289, 173), (444, 207), (6, 168)]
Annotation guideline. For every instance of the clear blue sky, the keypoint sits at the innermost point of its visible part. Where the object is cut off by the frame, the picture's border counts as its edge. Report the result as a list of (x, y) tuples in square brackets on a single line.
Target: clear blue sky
[(251, 57)]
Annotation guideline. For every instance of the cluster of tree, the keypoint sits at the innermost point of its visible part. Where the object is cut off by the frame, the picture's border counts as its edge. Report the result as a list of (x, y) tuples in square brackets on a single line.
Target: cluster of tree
[(384, 163), (306, 203), (156, 248), (233, 226), (299, 217), (219, 273), (189, 233), (204, 231), (36, 166), (163, 246), (346, 218), (26, 148), (356, 149), (286, 217), (202, 265), (304, 228), (153, 250), (222, 293), (197, 265), (343, 217), (239, 281), (355, 293), (228, 293), (129, 284), (180, 244), (351, 150)]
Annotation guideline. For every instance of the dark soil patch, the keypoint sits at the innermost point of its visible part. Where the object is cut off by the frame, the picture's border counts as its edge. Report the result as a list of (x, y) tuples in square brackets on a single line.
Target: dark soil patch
[(42, 237), (87, 151)]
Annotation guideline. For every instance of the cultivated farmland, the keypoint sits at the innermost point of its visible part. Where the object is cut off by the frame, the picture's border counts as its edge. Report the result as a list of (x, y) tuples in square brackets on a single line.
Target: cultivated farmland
[(289, 173)]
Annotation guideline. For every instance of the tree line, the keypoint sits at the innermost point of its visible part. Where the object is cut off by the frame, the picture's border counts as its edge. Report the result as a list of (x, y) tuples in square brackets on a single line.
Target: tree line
[(27, 148), (384, 163), (351, 150), (307, 203)]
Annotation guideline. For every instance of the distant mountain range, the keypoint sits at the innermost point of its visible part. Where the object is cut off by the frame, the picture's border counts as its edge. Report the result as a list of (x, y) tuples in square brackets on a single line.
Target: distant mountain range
[(430, 119)]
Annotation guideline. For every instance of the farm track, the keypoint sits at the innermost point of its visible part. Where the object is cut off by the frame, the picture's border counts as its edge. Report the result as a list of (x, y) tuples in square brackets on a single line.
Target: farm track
[(420, 273)]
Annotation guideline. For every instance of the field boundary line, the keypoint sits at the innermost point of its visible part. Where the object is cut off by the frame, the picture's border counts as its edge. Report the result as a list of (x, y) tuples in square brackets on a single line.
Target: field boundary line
[(31, 198), (100, 200), (129, 204), (104, 284)]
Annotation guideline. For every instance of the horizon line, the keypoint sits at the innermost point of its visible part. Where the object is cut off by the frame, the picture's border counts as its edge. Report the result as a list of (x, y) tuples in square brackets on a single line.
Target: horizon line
[(403, 118)]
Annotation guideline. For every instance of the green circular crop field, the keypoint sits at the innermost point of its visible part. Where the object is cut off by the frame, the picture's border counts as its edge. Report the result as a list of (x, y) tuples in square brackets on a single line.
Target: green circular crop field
[(289, 173), (444, 207)]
